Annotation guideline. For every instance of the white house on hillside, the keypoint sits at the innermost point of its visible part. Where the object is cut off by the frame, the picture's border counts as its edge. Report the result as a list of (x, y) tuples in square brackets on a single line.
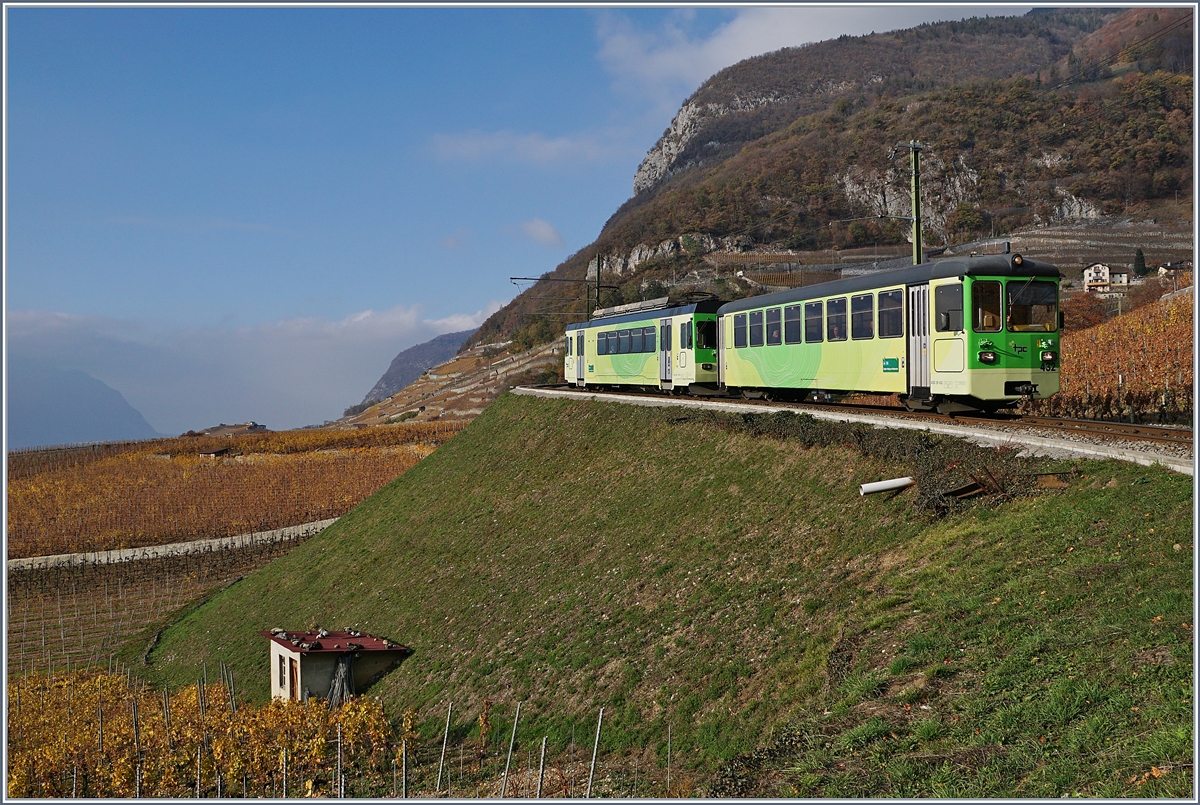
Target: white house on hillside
[(1101, 278), (331, 665)]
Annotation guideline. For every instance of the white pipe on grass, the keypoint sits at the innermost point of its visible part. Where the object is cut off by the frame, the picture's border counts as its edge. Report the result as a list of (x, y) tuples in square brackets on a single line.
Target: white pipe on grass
[(885, 486)]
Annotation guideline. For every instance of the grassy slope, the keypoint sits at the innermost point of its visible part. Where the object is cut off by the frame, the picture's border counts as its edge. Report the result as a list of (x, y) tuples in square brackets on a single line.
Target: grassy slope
[(684, 569)]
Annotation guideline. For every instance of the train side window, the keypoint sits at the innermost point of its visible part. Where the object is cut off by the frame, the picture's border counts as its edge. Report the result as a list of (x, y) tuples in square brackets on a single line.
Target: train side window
[(706, 334), (814, 322), (739, 331), (791, 325), (835, 319), (690, 337), (756, 328), (635, 340), (948, 308), (601, 343), (774, 333), (623, 342), (648, 339), (569, 340), (862, 317), (985, 306), (891, 314)]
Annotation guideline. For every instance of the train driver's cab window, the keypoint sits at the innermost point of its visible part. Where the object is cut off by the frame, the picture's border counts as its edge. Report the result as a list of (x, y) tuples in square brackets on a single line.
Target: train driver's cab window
[(985, 306), (835, 319), (814, 322), (756, 328), (685, 335), (791, 325), (706, 334), (739, 331), (569, 340), (948, 308), (862, 316), (891, 314), (774, 331), (1032, 306)]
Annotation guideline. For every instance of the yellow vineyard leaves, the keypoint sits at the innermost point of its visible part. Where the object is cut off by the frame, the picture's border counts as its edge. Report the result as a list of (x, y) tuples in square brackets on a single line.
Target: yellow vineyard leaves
[(91, 734)]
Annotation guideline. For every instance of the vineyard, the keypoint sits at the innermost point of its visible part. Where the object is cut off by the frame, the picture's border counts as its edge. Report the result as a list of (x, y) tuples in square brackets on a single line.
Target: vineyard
[(105, 733), (1135, 367), (71, 616), (177, 490)]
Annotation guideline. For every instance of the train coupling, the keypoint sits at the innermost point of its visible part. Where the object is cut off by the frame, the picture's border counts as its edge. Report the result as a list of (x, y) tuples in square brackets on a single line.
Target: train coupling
[(1023, 388)]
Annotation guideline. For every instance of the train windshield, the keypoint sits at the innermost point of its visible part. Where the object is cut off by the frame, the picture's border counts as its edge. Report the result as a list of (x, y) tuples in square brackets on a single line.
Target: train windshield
[(706, 334), (1032, 306)]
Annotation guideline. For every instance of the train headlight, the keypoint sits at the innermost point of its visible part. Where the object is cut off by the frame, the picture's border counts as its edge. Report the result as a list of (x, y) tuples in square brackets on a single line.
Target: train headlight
[(708, 367), (987, 357), (1049, 356)]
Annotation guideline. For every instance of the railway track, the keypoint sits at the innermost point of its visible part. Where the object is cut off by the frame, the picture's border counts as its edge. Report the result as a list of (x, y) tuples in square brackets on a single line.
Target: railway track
[(1166, 436)]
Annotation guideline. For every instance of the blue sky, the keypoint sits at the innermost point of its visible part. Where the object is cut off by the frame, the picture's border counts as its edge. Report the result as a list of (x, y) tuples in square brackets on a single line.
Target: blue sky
[(244, 213)]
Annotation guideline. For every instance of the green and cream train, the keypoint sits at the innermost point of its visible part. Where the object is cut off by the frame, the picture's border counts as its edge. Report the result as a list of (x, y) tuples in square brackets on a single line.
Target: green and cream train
[(977, 333)]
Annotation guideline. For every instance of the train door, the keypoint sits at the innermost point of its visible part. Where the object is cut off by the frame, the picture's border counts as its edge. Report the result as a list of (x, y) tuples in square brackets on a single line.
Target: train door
[(684, 346), (722, 340), (664, 354), (918, 341), (948, 347), (569, 359), (579, 360)]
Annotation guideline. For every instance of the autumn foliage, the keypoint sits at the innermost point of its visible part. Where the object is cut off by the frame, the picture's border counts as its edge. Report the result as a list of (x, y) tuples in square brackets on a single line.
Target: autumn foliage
[(163, 491), (95, 734), (1138, 365)]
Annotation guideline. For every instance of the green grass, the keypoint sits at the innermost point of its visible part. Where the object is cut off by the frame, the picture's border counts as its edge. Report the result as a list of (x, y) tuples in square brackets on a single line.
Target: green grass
[(721, 574)]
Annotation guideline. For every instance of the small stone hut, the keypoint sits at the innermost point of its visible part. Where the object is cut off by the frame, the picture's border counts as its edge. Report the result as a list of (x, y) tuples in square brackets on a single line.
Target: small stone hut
[(331, 665)]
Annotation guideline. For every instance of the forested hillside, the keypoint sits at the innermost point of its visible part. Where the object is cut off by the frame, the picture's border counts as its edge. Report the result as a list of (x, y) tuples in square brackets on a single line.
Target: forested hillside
[(1056, 116)]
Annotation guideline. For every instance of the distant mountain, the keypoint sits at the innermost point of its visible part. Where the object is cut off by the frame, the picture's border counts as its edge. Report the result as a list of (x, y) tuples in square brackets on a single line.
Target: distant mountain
[(412, 362), (1058, 116), (52, 406)]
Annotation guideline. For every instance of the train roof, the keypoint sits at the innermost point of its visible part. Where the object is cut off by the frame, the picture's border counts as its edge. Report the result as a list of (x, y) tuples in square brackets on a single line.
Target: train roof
[(989, 265), (706, 306)]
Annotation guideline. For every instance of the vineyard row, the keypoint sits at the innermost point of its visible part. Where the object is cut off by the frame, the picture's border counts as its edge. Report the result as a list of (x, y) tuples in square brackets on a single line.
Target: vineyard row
[(103, 733)]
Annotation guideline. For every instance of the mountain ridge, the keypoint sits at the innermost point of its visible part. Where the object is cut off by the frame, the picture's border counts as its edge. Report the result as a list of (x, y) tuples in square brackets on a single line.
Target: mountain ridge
[(410, 363), (1076, 135), (51, 406)]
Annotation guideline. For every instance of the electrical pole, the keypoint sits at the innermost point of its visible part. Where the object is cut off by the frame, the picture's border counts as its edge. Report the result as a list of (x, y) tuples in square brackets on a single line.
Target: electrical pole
[(914, 146)]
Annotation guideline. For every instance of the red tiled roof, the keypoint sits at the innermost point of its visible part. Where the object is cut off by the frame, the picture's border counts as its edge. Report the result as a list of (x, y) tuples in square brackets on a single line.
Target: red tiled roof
[(336, 642)]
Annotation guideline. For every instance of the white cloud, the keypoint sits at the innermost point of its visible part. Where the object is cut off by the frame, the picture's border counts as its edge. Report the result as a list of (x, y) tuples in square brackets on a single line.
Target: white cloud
[(284, 374), (509, 146), (664, 63), (542, 232), (459, 239)]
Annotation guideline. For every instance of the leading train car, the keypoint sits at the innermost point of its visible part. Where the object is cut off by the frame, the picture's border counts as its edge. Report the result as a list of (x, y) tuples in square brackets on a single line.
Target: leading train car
[(654, 345), (977, 333)]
